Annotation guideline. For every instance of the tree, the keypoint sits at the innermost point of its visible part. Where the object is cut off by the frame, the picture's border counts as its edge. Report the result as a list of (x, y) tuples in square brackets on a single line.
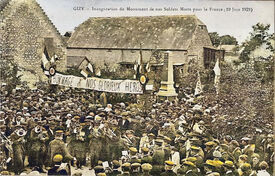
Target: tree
[(258, 36), (228, 40), (9, 73), (244, 103), (215, 38)]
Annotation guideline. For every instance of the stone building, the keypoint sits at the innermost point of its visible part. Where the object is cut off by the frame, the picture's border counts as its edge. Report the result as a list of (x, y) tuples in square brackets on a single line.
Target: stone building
[(25, 33), (119, 40)]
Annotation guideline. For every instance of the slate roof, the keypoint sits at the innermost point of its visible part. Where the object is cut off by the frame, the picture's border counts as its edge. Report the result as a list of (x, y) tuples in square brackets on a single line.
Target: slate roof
[(162, 32)]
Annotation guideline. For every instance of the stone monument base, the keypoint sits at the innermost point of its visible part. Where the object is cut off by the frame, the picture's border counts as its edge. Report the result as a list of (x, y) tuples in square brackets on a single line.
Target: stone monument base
[(166, 91)]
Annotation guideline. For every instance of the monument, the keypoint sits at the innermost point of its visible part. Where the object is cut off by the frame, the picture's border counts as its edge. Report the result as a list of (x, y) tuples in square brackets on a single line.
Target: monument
[(167, 90)]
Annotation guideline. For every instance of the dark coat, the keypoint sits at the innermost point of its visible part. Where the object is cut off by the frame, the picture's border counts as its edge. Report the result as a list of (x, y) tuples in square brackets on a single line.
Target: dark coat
[(53, 171)]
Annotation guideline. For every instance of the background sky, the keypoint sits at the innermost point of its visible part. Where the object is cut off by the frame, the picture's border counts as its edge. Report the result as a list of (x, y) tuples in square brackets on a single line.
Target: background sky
[(237, 24)]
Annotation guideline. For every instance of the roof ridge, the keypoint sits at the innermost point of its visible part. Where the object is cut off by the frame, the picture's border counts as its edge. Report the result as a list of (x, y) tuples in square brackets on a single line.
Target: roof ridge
[(94, 18), (50, 21), (149, 16), (103, 32)]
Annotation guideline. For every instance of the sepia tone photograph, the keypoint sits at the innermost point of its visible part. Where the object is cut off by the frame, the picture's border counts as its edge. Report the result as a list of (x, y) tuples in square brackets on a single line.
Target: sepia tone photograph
[(137, 87)]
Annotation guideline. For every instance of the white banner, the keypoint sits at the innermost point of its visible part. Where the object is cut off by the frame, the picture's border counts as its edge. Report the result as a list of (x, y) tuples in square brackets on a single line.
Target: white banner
[(105, 85)]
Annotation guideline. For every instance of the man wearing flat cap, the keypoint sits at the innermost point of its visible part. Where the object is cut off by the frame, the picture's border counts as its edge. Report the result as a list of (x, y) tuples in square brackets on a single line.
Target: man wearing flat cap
[(115, 168), (126, 168), (146, 168), (169, 169)]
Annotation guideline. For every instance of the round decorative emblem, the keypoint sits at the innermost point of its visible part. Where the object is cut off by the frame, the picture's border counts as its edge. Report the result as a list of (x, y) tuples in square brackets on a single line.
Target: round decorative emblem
[(52, 71), (142, 79)]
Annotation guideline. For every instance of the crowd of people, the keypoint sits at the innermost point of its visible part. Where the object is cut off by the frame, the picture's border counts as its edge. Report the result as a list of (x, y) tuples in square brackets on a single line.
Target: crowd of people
[(50, 132)]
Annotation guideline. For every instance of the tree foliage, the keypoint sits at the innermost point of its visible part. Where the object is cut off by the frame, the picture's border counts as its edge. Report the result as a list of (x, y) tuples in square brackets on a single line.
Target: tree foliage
[(257, 37), (244, 103), (217, 40), (9, 72), (228, 40)]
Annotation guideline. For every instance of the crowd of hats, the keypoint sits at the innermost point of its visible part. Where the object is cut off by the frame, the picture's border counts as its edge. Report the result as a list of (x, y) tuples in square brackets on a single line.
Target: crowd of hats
[(184, 126)]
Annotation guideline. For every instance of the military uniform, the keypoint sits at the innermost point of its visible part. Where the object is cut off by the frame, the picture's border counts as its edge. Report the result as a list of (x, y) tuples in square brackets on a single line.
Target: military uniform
[(158, 158), (57, 146), (17, 137), (146, 168), (126, 167), (188, 168), (167, 148), (59, 168), (134, 158), (169, 169), (245, 170), (135, 169), (78, 148), (115, 168), (146, 158), (229, 168), (38, 149), (99, 169), (95, 145), (116, 145)]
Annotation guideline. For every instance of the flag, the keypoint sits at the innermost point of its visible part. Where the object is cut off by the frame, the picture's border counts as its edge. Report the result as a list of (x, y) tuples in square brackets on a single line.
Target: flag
[(140, 62), (45, 64), (54, 58), (217, 71), (84, 73), (86, 67), (98, 73), (148, 67), (90, 67), (198, 89), (46, 72)]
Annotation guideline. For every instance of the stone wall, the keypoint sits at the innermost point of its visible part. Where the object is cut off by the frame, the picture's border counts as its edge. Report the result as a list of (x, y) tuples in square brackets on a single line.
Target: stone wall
[(24, 26), (112, 57), (200, 39)]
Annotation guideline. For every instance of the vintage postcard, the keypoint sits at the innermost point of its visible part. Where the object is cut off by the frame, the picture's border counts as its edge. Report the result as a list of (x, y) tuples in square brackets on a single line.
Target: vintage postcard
[(137, 87)]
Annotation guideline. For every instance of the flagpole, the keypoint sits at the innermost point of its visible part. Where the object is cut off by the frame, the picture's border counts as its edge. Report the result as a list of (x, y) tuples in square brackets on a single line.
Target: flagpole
[(141, 62)]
